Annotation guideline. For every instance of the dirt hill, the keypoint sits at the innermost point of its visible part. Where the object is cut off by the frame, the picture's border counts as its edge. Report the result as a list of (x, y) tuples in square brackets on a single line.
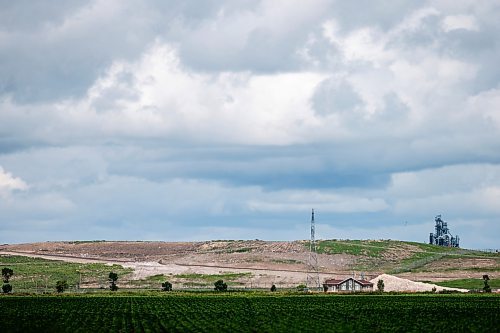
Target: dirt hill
[(264, 262)]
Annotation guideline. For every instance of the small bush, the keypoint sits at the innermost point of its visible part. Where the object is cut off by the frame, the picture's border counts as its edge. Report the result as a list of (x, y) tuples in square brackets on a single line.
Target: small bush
[(380, 285), (6, 288), (112, 278), (166, 286), (301, 287), (6, 274), (220, 285), (273, 288), (486, 288), (61, 286)]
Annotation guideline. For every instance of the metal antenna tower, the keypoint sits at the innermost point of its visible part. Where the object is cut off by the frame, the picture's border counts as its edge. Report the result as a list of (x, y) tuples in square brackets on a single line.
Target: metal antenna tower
[(312, 280)]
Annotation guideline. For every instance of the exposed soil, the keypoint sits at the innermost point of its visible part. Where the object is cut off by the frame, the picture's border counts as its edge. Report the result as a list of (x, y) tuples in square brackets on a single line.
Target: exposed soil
[(281, 263), (394, 283)]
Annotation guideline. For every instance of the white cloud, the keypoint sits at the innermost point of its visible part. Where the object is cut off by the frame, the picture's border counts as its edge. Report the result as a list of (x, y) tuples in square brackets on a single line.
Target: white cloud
[(487, 105), (446, 189), (303, 201), (454, 22), (9, 183), (156, 97), (244, 115)]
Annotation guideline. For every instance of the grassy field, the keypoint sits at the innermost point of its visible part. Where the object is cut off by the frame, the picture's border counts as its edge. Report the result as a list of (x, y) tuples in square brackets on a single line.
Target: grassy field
[(208, 280), (239, 312), (381, 255), (41, 275), (35, 274), (472, 284)]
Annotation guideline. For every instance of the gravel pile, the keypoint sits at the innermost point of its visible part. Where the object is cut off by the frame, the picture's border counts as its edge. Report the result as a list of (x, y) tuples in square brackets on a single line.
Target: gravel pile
[(394, 283)]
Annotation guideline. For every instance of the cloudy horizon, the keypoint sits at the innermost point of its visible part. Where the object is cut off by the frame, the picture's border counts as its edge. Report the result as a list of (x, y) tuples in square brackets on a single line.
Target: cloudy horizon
[(188, 120)]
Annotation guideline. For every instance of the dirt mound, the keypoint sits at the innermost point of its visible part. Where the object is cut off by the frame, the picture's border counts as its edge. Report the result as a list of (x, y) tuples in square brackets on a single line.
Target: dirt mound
[(394, 283)]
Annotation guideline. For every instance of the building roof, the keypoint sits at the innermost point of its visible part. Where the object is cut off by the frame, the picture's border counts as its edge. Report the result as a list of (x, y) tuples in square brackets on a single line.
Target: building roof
[(335, 282)]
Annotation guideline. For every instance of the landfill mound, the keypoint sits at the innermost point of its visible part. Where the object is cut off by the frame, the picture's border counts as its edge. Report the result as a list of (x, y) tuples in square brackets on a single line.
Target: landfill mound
[(394, 283)]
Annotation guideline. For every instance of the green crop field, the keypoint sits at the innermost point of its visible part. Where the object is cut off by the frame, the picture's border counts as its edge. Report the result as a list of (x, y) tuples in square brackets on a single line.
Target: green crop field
[(239, 312)]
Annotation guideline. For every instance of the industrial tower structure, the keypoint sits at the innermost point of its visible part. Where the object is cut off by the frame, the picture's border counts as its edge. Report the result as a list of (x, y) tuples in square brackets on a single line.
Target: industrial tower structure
[(443, 236), (312, 280)]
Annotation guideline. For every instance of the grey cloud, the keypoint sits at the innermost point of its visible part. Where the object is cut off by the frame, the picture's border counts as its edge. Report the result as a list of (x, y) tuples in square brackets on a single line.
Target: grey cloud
[(69, 45), (398, 102), (25, 15), (361, 13), (260, 38), (335, 96)]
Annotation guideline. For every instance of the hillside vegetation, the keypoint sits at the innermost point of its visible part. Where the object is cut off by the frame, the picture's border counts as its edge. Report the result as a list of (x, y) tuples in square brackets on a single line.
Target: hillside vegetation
[(391, 256), (241, 263)]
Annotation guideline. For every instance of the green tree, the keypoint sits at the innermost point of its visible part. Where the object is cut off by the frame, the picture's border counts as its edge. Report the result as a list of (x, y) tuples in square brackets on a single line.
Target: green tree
[(486, 288), (166, 286), (380, 285), (220, 285), (6, 274), (273, 288), (6, 288), (112, 278), (61, 286)]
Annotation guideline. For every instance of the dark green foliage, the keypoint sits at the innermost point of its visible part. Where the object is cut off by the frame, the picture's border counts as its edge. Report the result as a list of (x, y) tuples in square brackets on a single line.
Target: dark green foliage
[(220, 285), (380, 285), (246, 313), (273, 288), (6, 274), (486, 288), (6, 288), (301, 287), (166, 286), (61, 286), (112, 278)]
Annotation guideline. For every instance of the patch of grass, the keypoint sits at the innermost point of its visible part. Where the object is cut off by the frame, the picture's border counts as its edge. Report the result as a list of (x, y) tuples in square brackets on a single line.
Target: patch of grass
[(435, 248), (473, 269), (240, 250), (469, 283), (87, 241), (417, 261), (31, 273), (357, 248), (210, 278), (243, 249), (286, 261), (196, 284), (453, 250), (157, 278)]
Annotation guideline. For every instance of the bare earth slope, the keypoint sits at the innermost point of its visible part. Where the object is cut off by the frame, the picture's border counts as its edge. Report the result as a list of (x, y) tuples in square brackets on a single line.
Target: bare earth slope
[(259, 263)]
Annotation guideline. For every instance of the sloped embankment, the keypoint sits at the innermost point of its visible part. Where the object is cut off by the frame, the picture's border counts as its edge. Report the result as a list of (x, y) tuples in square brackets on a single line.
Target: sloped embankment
[(394, 283)]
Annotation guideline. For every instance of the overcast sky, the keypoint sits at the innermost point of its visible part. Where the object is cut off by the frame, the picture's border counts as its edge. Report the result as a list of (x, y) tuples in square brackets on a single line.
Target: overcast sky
[(199, 120)]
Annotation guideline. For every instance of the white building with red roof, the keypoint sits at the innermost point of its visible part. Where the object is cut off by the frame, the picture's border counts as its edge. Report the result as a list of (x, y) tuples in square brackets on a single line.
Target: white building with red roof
[(346, 285)]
